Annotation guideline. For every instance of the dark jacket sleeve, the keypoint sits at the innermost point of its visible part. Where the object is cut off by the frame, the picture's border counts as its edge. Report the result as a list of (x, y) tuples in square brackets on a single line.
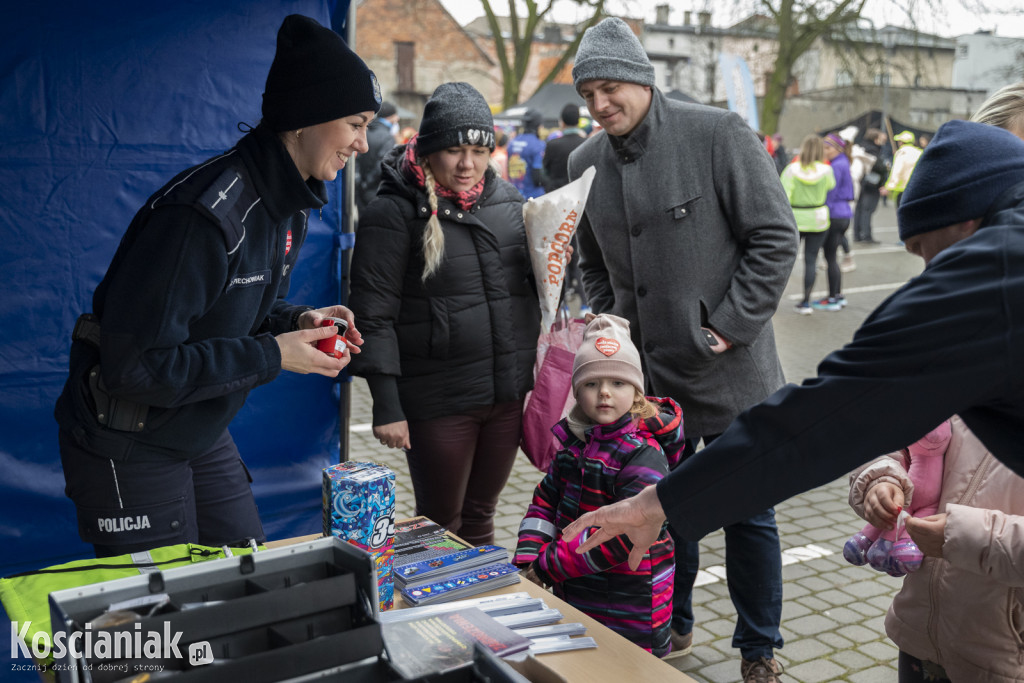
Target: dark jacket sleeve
[(597, 284), (760, 217), (942, 344), (177, 270), (379, 263)]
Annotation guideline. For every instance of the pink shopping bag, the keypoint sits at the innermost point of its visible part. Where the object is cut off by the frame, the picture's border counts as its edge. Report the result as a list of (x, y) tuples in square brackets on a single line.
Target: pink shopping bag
[(551, 398)]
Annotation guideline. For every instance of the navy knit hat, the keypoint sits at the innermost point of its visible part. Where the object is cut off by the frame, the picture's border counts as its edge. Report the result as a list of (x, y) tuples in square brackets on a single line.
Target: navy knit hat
[(456, 114), (315, 78), (960, 174), (611, 51)]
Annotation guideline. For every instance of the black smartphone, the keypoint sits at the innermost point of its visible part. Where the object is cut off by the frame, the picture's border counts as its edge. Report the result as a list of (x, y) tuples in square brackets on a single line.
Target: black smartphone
[(709, 337)]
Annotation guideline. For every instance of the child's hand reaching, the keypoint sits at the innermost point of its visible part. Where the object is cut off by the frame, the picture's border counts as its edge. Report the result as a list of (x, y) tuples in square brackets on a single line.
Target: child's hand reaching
[(882, 505)]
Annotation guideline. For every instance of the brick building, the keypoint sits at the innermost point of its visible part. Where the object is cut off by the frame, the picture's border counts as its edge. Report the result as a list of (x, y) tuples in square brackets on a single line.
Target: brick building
[(415, 45)]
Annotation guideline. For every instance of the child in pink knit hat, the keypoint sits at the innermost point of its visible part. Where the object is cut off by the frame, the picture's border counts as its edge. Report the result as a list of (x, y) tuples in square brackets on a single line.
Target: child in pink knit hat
[(614, 443)]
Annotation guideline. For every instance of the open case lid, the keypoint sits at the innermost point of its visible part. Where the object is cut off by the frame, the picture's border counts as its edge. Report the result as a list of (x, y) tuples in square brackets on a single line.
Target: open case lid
[(270, 616)]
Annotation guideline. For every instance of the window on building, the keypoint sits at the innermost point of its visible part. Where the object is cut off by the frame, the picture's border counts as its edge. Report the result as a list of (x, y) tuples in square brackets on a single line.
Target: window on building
[(844, 78), (405, 55), (962, 50), (882, 79), (671, 43)]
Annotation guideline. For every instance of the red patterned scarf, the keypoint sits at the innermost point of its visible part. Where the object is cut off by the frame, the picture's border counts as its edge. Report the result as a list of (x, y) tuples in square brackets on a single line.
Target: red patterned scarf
[(413, 172)]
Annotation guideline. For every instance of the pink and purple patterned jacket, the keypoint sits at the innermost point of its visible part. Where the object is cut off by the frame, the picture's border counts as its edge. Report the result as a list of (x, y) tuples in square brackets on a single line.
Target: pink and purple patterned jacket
[(598, 465)]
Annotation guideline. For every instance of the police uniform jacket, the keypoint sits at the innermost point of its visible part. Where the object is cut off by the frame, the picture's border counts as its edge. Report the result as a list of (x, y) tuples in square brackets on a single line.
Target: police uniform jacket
[(687, 225), (192, 300), (467, 337)]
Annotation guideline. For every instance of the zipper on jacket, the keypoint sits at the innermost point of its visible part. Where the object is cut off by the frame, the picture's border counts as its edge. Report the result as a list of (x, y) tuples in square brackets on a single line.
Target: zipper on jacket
[(975, 482), (934, 569), (933, 605)]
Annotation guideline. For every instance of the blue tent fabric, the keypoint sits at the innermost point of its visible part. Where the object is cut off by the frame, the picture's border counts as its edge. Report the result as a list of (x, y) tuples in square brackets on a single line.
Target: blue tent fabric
[(101, 104)]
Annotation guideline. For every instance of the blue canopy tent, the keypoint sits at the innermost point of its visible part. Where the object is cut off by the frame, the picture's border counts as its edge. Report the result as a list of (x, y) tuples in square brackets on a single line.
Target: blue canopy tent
[(101, 104)]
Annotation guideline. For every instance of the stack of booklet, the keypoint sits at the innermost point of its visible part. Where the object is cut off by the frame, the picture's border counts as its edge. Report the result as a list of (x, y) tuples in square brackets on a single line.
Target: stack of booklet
[(430, 565), (527, 617), (437, 643)]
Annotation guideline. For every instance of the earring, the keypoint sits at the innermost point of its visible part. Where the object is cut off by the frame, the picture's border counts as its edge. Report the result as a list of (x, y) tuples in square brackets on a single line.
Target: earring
[(298, 133)]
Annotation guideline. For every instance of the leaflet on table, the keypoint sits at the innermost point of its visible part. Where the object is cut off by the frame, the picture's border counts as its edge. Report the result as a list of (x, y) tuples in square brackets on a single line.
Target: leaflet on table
[(463, 585), (421, 539), (561, 644), (539, 617), (442, 642), (461, 561), (494, 605), (552, 630)]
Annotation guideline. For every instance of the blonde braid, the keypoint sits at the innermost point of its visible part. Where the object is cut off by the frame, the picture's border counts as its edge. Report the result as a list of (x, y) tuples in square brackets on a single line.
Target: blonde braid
[(433, 237)]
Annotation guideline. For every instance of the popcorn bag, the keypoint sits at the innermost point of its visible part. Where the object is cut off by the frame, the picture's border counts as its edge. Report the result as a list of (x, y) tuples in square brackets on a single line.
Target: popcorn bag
[(551, 221), (359, 507)]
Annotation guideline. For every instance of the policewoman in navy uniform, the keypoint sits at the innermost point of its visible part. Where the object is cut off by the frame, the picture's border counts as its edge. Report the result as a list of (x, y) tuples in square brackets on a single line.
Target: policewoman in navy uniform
[(191, 314)]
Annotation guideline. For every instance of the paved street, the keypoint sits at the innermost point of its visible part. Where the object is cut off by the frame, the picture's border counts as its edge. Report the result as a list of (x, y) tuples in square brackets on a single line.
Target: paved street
[(833, 613)]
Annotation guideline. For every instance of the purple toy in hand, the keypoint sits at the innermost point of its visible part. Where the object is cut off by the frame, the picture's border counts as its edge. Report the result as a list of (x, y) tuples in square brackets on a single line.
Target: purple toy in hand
[(894, 552)]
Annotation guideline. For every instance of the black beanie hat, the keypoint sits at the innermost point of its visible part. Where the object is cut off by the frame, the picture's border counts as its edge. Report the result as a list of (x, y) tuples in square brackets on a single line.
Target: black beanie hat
[(571, 115), (315, 78), (532, 120), (456, 114), (958, 177)]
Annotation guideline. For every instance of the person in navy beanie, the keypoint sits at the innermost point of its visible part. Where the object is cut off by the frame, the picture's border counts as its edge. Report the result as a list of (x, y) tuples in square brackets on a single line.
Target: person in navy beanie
[(947, 191), (949, 342)]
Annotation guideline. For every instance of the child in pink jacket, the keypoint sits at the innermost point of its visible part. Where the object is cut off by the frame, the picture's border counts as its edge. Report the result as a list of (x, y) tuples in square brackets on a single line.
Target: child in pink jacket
[(960, 617), (893, 551)]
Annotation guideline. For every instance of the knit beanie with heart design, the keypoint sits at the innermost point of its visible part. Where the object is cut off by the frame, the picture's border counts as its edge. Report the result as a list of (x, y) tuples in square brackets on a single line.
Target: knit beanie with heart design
[(607, 351)]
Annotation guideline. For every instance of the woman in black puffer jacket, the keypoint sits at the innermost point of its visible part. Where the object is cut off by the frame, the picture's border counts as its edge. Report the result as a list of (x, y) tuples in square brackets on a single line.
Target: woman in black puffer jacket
[(445, 298)]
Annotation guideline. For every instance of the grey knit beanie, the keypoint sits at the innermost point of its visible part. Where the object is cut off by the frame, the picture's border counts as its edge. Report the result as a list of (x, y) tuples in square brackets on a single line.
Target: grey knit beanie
[(456, 114), (607, 351), (611, 51)]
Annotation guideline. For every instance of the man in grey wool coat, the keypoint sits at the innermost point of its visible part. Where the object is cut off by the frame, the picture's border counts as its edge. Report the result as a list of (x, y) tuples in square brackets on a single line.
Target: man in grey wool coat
[(688, 234)]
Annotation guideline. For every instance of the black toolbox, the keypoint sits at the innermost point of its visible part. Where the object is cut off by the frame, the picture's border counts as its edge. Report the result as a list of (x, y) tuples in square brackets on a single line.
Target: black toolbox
[(297, 613)]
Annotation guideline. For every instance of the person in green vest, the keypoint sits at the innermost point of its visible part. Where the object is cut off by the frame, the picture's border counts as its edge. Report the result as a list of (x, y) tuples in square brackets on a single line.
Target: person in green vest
[(903, 163), (807, 181)]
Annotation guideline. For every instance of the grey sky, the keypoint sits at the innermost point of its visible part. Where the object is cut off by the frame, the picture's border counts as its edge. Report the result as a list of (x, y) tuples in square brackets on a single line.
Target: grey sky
[(953, 17)]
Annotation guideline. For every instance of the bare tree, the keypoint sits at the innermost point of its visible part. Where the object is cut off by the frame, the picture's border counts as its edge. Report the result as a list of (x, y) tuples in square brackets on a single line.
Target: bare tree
[(514, 54), (799, 25)]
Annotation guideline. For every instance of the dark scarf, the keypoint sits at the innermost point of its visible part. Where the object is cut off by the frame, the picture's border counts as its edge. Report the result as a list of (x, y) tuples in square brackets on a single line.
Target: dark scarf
[(413, 172)]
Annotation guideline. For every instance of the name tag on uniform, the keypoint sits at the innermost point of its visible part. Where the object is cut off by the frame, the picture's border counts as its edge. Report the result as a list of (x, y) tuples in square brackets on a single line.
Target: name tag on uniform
[(259, 278)]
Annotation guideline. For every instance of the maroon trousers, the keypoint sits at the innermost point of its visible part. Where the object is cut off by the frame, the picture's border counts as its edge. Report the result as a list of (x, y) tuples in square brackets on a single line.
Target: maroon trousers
[(459, 465)]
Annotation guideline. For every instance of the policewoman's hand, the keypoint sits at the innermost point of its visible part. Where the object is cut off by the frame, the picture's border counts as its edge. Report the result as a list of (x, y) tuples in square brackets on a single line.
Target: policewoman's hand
[(311, 320), (299, 353)]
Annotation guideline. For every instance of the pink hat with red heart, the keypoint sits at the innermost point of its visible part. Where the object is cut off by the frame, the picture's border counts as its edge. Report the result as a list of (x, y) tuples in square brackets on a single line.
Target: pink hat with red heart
[(607, 351)]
